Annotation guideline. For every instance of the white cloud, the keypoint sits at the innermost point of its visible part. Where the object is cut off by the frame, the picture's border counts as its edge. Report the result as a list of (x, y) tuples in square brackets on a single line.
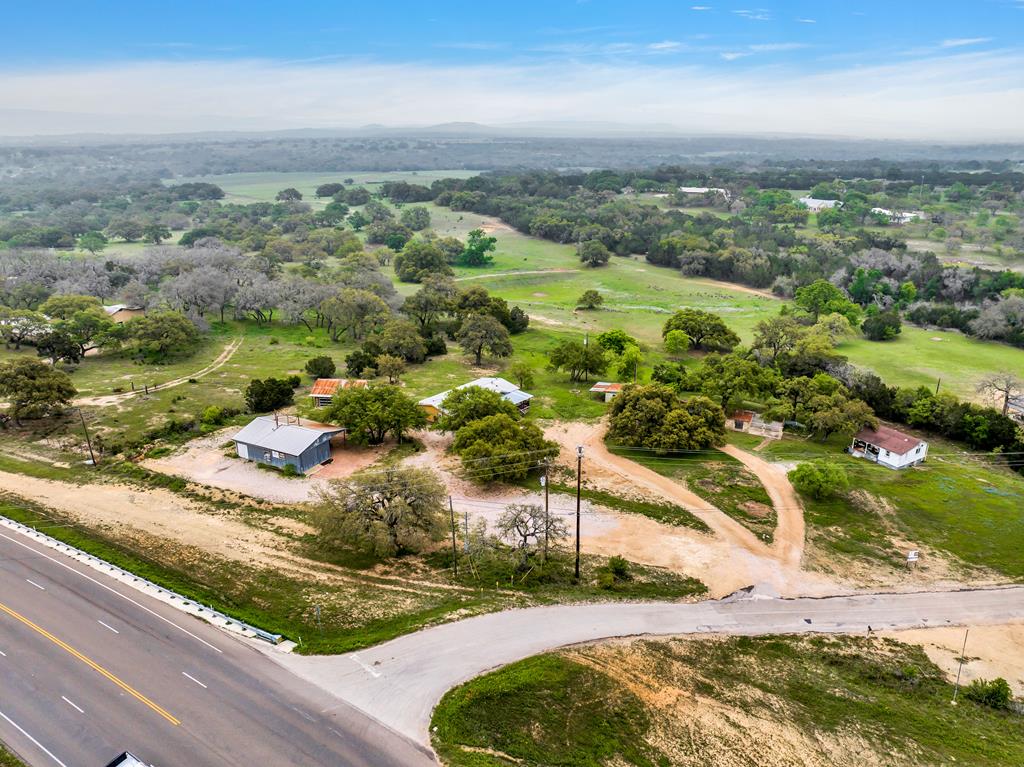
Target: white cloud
[(733, 55), (700, 8), (806, 21), (960, 42), (962, 96), (665, 45), (757, 14)]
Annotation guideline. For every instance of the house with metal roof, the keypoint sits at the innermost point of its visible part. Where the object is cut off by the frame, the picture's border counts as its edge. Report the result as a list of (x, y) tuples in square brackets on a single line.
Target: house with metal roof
[(607, 390), (324, 389), (508, 391), (278, 440), (124, 312), (889, 447), (816, 206)]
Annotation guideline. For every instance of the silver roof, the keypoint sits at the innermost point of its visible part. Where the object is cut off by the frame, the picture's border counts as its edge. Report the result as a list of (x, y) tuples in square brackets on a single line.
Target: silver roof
[(283, 437)]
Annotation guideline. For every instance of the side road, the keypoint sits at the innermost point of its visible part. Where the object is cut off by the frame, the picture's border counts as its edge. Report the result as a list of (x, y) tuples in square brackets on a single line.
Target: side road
[(401, 681)]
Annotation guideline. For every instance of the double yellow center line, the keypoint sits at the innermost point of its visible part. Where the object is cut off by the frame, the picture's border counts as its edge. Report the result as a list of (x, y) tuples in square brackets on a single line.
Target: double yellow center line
[(90, 663)]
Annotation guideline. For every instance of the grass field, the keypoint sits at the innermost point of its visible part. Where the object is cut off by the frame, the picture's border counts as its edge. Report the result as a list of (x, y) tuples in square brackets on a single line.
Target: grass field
[(967, 506), (837, 701), (7, 759)]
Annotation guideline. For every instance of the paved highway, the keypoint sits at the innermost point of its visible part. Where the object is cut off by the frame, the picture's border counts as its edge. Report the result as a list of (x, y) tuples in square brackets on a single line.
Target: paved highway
[(90, 668), (401, 681)]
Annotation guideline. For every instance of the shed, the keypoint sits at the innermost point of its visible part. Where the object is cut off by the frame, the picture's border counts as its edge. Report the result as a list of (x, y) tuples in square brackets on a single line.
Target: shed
[(123, 312), (816, 206), (508, 391), (607, 390), (286, 440), (750, 422), (324, 389), (889, 447)]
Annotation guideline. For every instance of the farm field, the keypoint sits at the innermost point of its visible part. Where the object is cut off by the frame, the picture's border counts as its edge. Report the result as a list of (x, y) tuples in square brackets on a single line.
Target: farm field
[(816, 701)]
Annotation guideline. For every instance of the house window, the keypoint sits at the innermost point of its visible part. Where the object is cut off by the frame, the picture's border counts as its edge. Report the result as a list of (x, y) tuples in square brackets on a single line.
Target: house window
[(918, 451), (266, 455), (886, 453)]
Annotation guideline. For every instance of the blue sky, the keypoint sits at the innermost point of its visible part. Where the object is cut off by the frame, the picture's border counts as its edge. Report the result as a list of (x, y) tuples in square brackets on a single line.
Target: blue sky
[(902, 68)]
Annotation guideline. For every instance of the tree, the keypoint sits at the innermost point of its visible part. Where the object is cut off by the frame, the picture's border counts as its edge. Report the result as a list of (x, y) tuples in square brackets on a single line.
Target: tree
[(1002, 387), (593, 253), (58, 346), (431, 302), (706, 330), (629, 362), (578, 359), (471, 403), (822, 297), (93, 242), (358, 220), (291, 194), (727, 378), (480, 332), (416, 218), (529, 530), (262, 396), (371, 413), (387, 512), (160, 335), (34, 389), (155, 233), (883, 326), (399, 338), (61, 307), (362, 362), (390, 366), (418, 259), (676, 342), (86, 329), (125, 229), (616, 340), (819, 479), (590, 299), (18, 326), (655, 417), (354, 312), (500, 448), (837, 413), (479, 247), (329, 189), (521, 372), (321, 366), (776, 337)]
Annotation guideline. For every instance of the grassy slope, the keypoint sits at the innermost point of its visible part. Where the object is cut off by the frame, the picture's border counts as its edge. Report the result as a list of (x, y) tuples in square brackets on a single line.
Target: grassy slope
[(7, 759), (965, 505), (839, 694)]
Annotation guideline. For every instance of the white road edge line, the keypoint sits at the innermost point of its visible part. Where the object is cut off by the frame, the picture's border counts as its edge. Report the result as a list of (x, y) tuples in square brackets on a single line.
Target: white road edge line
[(41, 588), (106, 626), (3, 654), (35, 742), (111, 590), (76, 708), (185, 673), (367, 668)]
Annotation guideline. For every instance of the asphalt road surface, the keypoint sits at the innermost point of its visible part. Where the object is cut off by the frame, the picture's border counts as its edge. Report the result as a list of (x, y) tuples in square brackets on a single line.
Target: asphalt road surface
[(401, 681), (90, 668)]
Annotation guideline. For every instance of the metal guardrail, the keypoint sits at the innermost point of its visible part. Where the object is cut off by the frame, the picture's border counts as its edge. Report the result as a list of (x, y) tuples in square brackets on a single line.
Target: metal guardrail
[(205, 612)]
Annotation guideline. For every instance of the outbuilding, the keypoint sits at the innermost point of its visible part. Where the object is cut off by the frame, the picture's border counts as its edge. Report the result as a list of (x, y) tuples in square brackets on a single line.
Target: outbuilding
[(607, 390), (277, 440), (123, 312), (508, 391), (889, 447), (324, 389)]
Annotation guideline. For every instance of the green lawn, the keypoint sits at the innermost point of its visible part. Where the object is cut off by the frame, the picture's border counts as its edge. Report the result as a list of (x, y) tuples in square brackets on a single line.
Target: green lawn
[(848, 700), (7, 759), (964, 505)]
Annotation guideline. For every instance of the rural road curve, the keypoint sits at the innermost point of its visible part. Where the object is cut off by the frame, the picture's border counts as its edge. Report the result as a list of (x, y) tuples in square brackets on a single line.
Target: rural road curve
[(90, 668), (401, 681)]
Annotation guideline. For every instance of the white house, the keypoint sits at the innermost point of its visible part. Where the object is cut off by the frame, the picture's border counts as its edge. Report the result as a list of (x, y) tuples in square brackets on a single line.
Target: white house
[(702, 190), (816, 206), (508, 391), (889, 447), (895, 217)]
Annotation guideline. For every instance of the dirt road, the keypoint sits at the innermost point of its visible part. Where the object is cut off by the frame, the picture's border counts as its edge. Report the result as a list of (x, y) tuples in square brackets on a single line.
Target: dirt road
[(112, 399)]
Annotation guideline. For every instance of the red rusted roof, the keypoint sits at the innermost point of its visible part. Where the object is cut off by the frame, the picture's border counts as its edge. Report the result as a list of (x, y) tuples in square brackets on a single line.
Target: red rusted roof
[(604, 386), (328, 387), (889, 439), (743, 415)]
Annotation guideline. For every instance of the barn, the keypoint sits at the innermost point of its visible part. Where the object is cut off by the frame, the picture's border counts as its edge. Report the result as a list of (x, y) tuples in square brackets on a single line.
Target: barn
[(286, 441)]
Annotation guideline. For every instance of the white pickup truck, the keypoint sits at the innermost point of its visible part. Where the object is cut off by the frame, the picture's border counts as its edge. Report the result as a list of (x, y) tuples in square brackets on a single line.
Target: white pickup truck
[(128, 760)]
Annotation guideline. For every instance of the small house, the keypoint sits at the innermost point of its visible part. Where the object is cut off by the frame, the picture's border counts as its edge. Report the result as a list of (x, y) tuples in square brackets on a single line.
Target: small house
[(749, 422), (277, 440), (508, 391), (816, 206), (889, 447), (123, 312), (1015, 408), (606, 391), (324, 389)]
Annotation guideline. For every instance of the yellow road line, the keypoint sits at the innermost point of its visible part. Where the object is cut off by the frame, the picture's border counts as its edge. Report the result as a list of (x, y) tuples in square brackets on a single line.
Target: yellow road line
[(90, 663)]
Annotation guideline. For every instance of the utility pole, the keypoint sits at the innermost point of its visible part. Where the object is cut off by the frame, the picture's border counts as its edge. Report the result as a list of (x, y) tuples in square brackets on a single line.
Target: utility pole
[(956, 688), (579, 486), (455, 551), (85, 428), (547, 516), (465, 522)]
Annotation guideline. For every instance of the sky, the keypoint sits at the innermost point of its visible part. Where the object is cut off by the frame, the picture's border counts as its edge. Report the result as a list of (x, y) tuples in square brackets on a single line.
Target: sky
[(936, 70)]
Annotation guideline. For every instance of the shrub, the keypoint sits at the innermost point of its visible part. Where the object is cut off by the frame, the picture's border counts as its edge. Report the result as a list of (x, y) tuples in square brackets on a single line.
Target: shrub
[(993, 693), (212, 416), (270, 394), (289, 470), (819, 479), (320, 367)]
